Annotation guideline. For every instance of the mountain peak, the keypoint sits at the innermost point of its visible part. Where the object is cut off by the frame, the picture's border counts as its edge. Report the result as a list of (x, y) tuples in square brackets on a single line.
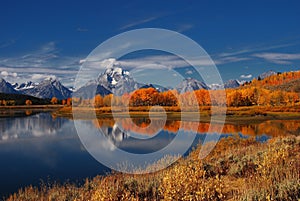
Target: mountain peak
[(48, 88), (117, 80), (231, 84), (267, 74), (190, 84), (50, 79), (6, 87)]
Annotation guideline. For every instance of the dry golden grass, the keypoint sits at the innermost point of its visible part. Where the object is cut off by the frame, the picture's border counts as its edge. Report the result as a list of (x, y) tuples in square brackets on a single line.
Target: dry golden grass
[(237, 169)]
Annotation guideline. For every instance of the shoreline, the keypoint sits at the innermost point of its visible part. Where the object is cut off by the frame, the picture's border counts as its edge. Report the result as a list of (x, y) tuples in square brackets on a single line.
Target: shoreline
[(233, 115)]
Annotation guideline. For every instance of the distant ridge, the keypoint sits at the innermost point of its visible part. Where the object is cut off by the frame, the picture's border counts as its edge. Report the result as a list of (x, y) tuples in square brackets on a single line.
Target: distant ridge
[(190, 84), (266, 74), (117, 81), (6, 87)]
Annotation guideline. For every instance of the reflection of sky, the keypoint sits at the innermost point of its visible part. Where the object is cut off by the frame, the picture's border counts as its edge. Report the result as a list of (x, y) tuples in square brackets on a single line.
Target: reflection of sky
[(37, 125), (55, 156)]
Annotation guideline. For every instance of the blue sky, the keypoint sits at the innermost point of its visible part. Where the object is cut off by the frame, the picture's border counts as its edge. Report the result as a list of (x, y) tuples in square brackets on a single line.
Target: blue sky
[(245, 38)]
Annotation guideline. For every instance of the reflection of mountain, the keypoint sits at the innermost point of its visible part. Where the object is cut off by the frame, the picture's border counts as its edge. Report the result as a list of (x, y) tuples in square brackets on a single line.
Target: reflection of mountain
[(114, 133), (38, 125), (128, 137)]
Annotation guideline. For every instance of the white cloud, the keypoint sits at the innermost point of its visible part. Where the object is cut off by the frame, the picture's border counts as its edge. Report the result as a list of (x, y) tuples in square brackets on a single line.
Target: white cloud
[(278, 58), (38, 77), (167, 61), (258, 48), (189, 72), (46, 55), (243, 54), (139, 22), (4, 73), (44, 60), (246, 76), (108, 63), (230, 59), (81, 61)]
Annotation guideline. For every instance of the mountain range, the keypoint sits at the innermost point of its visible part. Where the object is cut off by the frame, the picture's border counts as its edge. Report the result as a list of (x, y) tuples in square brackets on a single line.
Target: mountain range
[(113, 80)]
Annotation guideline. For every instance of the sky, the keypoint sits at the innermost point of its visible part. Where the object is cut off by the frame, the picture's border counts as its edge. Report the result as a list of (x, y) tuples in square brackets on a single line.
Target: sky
[(40, 39)]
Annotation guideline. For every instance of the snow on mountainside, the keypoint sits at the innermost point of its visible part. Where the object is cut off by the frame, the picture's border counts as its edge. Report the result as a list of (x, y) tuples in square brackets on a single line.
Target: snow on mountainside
[(231, 84), (6, 87), (25, 85), (190, 84), (47, 89), (266, 74), (227, 85), (113, 80), (117, 80)]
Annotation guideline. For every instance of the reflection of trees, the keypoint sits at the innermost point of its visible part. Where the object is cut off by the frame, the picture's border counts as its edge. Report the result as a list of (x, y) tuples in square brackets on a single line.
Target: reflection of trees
[(270, 128)]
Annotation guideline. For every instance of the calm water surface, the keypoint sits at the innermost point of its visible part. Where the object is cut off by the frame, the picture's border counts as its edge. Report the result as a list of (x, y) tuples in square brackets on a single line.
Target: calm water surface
[(42, 148)]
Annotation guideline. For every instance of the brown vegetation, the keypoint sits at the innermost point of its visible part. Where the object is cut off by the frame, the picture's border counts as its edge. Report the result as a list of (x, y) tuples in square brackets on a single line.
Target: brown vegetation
[(236, 169)]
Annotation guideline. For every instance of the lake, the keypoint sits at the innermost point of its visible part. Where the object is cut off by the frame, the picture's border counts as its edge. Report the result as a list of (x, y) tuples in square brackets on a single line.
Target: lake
[(40, 147)]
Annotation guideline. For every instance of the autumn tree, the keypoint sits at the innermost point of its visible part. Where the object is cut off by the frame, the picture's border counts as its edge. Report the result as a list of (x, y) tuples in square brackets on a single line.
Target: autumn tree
[(98, 101), (4, 102), (107, 100), (144, 97), (28, 102), (69, 101), (76, 101), (54, 100)]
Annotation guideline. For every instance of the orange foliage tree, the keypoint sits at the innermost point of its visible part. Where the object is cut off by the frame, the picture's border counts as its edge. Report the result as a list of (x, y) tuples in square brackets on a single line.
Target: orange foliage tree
[(54, 100)]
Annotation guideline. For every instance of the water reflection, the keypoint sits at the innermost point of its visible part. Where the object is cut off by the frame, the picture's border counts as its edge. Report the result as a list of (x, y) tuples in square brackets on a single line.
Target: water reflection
[(116, 130), (136, 139), (37, 125), (270, 128), (40, 146), (114, 142)]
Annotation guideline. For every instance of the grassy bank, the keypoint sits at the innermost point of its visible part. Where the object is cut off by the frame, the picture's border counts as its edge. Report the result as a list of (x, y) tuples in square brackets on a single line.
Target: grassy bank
[(236, 169), (26, 110), (233, 114)]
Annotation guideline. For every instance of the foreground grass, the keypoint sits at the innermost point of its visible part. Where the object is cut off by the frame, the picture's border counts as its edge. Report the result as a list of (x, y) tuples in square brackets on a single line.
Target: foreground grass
[(236, 169)]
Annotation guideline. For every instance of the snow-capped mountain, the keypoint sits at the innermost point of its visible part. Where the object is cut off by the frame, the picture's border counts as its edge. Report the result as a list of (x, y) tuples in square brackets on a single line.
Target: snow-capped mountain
[(216, 86), (47, 89), (114, 80), (231, 84), (90, 90), (117, 80), (266, 74), (25, 85), (6, 87), (190, 84)]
